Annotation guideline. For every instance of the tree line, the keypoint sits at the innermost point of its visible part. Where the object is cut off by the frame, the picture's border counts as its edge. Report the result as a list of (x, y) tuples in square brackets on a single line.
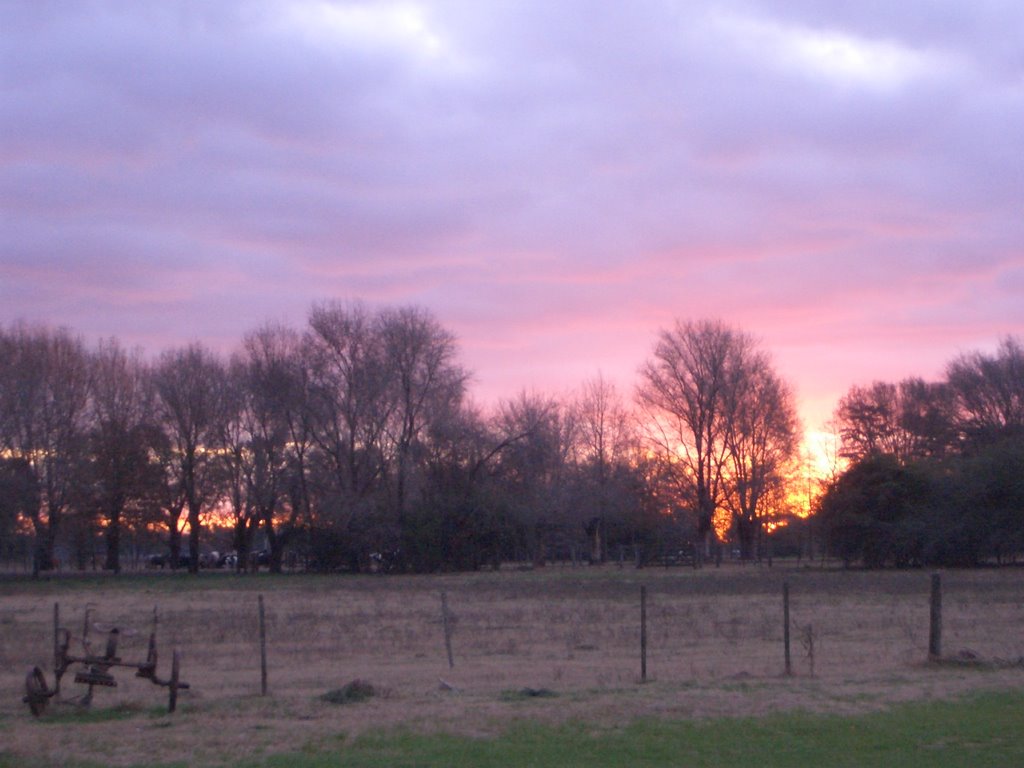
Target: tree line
[(936, 469), (352, 443)]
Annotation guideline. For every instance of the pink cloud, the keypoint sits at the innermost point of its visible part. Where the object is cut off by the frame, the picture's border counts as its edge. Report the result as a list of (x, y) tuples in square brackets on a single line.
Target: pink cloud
[(555, 181)]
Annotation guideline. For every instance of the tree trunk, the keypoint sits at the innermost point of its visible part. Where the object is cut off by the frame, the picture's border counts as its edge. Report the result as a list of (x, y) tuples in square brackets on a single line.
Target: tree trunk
[(747, 532), (597, 541), (537, 546), (113, 538), (275, 543), (42, 555), (174, 544), (48, 560), (277, 556), (244, 532), (193, 536)]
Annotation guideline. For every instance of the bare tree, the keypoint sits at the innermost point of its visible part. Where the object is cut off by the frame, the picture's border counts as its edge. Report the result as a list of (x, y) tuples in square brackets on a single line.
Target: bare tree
[(124, 478), (426, 385), (236, 460), (910, 420), (187, 383), (278, 425), (44, 393), (868, 419), (762, 440), (722, 421), (989, 392), (605, 430), (605, 447), (349, 409), (19, 497), (532, 465), (685, 402), (454, 521), (377, 382), (928, 414)]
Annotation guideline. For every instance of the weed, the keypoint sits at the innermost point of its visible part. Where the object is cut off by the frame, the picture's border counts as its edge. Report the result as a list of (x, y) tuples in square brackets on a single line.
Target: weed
[(523, 694), (350, 693)]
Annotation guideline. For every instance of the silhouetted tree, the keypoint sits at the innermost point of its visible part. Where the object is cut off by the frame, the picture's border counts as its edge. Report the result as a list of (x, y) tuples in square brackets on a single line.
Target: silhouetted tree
[(236, 461), (877, 512), (349, 406), (19, 495), (762, 441), (123, 476), (719, 418), (684, 399), (910, 420), (989, 392), (44, 394), (928, 416), (426, 386), (531, 468), (276, 418), (604, 455), (187, 382), (458, 520)]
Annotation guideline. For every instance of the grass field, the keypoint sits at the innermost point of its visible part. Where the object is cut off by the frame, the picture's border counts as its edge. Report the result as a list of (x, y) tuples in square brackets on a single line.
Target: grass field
[(547, 669)]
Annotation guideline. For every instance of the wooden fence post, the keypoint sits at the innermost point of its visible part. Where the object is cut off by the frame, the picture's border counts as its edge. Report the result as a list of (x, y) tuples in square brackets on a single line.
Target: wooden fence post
[(56, 642), (935, 625), (446, 623), (643, 634), (263, 649), (785, 626)]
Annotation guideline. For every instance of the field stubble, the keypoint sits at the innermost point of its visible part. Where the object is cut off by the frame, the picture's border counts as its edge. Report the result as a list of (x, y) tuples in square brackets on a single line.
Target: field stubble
[(859, 642)]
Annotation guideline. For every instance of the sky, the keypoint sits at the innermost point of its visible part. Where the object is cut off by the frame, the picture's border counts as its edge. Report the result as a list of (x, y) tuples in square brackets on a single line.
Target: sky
[(554, 181)]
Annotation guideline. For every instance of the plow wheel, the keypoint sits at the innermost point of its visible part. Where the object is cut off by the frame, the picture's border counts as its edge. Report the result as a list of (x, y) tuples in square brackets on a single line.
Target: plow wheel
[(37, 695), (175, 681)]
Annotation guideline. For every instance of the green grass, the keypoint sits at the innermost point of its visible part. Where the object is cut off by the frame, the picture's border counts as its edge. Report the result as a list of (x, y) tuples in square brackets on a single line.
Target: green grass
[(9, 761), (70, 714), (71, 582), (986, 730)]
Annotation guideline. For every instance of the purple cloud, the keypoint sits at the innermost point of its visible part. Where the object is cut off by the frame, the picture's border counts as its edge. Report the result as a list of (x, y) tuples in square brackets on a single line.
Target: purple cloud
[(555, 181)]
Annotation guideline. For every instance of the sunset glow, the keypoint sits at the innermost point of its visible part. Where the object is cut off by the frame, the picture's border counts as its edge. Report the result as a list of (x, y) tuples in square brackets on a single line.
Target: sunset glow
[(554, 181)]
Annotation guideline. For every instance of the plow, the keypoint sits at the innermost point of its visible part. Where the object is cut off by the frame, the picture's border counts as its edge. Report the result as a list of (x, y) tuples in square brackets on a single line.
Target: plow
[(93, 667)]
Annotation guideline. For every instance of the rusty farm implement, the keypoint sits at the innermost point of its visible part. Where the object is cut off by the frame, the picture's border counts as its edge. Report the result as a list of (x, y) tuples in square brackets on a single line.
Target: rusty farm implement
[(93, 667)]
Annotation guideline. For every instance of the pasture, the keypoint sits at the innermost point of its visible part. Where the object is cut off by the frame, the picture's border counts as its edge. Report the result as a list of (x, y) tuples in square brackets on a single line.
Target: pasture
[(554, 650)]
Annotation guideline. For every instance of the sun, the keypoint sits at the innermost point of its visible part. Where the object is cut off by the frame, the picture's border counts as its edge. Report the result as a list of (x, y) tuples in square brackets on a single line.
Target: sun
[(820, 451), (818, 463)]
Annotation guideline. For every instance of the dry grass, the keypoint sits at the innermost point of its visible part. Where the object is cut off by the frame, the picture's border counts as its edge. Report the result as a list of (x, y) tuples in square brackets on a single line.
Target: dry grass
[(715, 648)]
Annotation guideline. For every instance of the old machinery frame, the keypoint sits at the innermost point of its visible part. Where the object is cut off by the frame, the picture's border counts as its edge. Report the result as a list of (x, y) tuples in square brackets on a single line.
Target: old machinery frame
[(95, 668)]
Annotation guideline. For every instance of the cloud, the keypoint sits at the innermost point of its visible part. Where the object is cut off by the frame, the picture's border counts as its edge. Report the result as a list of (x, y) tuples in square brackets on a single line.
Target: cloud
[(835, 57), (555, 180)]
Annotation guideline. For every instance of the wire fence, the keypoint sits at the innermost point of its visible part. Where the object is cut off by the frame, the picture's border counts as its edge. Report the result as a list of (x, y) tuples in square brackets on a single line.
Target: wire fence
[(552, 629)]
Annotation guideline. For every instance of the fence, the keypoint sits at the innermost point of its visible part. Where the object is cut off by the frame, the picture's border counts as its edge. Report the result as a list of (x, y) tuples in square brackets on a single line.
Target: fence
[(564, 630)]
